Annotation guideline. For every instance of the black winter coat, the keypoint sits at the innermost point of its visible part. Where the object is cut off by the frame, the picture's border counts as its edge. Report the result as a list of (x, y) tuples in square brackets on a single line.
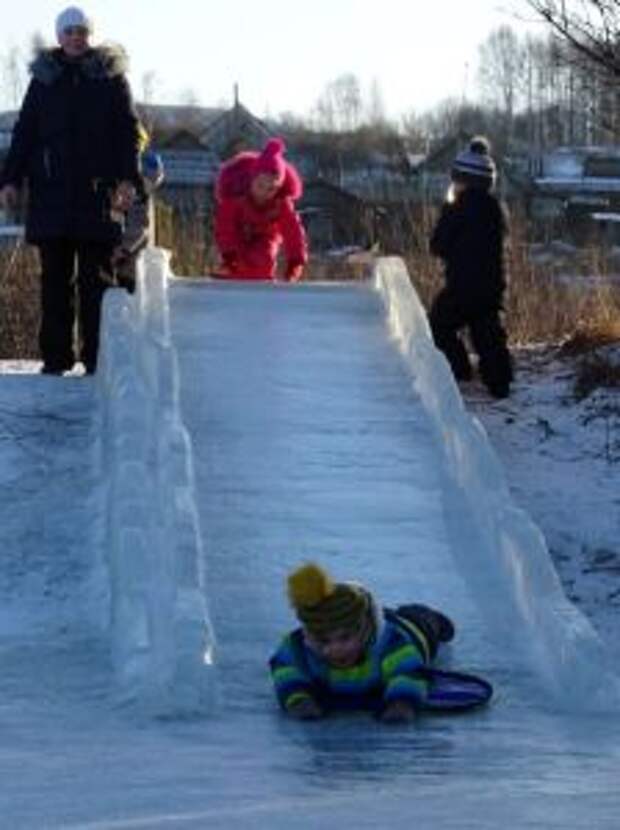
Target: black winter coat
[(469, 237), (75, 139)]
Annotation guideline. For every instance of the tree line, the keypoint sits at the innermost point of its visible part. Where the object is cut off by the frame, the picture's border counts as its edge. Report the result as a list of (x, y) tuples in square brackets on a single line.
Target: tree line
[(531, 92)]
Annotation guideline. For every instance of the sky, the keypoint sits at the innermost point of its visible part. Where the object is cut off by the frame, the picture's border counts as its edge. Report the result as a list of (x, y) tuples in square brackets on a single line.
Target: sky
[(283, 54)]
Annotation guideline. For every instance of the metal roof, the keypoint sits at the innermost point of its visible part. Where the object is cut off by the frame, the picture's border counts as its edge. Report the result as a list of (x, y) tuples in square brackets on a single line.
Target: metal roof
[(189, 167)]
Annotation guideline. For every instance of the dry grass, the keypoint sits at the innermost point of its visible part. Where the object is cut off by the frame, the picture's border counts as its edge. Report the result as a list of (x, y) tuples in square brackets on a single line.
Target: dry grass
[(19, 302), (188, 236), (545, 306), (541, 308)]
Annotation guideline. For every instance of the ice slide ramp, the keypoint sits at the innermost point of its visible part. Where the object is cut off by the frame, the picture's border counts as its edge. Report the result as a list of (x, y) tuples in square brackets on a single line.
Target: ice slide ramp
[(325, 425)]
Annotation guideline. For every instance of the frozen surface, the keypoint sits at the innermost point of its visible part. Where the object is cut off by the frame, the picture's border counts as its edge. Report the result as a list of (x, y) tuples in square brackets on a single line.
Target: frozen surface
[(310, 436), (162, 643)]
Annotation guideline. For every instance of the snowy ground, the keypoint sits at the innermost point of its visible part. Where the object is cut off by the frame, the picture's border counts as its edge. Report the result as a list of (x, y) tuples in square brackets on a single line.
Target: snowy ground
[(562, 461)]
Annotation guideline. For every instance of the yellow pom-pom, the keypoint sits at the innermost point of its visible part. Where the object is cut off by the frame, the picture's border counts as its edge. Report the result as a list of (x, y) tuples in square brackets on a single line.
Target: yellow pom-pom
[(309, 585)]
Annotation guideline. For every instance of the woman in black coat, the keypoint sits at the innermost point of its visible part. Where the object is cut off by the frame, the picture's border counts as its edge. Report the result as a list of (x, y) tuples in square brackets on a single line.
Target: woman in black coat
[(76, 143), (469, 238)]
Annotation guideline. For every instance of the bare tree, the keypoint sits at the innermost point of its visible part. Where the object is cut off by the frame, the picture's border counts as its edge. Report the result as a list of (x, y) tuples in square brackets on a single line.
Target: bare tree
[(414, 133), (589, 33), (501, 72), (13, 77), (376, 104), (150, 84), (589, 27), (340, 105)]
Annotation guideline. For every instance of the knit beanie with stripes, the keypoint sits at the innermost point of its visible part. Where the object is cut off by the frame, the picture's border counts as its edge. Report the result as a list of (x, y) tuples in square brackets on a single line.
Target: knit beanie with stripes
[(323, 606), (474, 166)]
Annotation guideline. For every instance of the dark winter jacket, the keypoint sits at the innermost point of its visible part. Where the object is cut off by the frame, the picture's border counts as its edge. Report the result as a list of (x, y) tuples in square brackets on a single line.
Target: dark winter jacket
[(75, 139), (469, 237)]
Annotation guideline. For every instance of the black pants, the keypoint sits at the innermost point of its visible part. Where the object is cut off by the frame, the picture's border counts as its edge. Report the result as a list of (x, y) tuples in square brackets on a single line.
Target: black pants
[(436, 627), (65, 288), (448, 316)]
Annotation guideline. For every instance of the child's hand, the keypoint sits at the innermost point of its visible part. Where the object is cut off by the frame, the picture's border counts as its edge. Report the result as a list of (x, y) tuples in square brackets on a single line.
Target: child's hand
[(305, 709), (8, 196), (398, 712), (118, 255), (294, 272), (229, 261)]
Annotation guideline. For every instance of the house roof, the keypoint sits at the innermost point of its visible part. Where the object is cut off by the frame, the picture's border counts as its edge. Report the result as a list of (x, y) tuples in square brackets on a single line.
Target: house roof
[(586, 184), (239, 116), (189, 167), (177, 116)]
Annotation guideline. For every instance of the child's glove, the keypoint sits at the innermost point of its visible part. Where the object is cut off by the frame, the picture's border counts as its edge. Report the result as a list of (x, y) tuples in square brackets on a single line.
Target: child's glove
[(305, 709), (294, 271), (399, 711), (119, 255), (229, 261)]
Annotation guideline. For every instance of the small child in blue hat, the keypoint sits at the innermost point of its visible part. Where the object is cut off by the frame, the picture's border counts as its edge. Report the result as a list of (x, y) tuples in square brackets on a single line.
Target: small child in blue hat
[(138, 222)]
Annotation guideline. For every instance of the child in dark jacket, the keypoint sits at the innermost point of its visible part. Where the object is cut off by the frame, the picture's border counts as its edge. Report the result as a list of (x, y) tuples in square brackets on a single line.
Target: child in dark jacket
[(349, 654), (255, 215), (138, 222), (469, 238)]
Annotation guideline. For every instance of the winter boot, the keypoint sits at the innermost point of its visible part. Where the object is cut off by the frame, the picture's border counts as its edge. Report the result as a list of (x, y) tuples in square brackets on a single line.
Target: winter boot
[(431, 621)]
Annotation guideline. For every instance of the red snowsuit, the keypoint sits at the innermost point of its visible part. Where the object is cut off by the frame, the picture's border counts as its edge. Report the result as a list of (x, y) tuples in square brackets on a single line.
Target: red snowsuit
[(249, 235)]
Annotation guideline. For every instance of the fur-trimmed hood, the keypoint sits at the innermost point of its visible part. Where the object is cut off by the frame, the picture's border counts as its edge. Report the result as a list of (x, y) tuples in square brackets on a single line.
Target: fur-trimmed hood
[(104, 61)]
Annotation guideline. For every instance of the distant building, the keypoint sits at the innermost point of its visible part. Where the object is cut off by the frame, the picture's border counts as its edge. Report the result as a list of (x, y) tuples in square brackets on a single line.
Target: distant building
[(579, 186)]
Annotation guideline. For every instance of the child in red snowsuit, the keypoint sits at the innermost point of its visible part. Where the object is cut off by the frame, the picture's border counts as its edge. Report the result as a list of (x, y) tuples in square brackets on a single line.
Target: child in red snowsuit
[(255, 215)]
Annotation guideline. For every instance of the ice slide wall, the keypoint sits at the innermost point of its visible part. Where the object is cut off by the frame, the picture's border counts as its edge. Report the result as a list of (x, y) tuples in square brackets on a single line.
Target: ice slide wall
[(500, 551), (162, 641)]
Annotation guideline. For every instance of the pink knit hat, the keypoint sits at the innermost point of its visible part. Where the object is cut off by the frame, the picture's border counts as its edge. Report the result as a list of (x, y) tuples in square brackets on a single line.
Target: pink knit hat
[(271, 160)]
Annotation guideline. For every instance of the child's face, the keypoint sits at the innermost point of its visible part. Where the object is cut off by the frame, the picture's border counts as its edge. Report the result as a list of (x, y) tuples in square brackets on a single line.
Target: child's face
[(454, 191), (264, 187), (341, 648)]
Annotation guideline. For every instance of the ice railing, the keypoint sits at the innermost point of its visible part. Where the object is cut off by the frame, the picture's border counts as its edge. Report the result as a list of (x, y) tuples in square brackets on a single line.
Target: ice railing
[(162, 640), (498, 548)]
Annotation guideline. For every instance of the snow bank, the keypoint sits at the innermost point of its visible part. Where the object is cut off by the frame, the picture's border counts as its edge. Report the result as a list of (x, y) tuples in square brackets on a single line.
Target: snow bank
[(500, 551), (162, 640)]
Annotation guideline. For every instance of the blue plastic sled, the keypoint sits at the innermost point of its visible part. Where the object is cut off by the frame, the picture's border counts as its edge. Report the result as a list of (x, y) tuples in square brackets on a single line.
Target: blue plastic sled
[(452, 691)]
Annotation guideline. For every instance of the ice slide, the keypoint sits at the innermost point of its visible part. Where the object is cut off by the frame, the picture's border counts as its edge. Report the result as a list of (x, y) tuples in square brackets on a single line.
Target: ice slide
[(245, 428)]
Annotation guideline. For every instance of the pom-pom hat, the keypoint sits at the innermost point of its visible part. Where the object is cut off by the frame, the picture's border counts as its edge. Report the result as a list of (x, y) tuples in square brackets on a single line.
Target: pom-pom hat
[(475, 166), (271, 160), (72, 16), (323, 606), (152, 167)]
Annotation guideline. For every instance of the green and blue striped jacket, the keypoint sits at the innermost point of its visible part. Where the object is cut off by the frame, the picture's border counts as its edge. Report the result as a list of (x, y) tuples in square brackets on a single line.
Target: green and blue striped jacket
[(392, 668)]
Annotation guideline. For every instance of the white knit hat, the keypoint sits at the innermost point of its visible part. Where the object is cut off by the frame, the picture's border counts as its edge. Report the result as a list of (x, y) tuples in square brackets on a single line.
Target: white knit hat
[(475, 165), (72, 16)]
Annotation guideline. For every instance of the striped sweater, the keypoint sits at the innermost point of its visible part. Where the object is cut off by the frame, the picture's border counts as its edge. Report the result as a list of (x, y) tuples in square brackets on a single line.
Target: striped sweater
[(392, 668)]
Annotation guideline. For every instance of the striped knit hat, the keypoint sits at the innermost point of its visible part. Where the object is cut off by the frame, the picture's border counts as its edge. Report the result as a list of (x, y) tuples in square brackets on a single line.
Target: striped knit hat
[(475, 166), (323, 606)]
